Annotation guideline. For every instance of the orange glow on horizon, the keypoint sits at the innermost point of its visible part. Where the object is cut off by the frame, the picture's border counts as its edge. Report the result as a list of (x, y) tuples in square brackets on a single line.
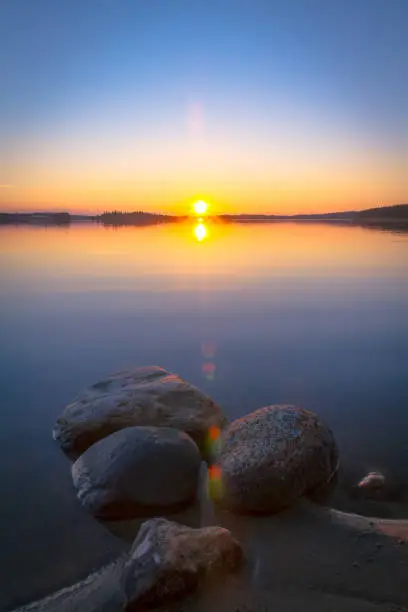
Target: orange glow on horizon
[(174, 179), (245, 194)]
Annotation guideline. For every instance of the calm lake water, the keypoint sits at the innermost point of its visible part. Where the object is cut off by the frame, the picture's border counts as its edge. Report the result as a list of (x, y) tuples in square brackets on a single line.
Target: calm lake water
[(310, 314)]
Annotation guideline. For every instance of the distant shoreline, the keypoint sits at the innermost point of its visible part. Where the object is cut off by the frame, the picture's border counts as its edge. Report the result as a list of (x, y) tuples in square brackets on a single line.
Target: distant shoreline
[(396, 215)]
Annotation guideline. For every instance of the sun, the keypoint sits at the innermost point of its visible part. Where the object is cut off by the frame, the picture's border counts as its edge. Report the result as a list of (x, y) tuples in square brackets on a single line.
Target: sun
[(200, 207)]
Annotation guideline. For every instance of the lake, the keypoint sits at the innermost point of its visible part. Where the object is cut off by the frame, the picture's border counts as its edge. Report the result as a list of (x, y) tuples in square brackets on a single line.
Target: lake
[(303, 313)]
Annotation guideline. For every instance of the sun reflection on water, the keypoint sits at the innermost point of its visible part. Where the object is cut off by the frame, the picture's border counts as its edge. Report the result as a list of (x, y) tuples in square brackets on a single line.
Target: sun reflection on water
[(200, 231)]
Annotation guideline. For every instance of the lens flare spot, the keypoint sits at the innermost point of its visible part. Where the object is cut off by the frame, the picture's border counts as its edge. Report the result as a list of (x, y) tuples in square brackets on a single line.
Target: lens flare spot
[(214, 433), (213, 441), (215, 486), (208, 349), (214, 472), (209, 370)]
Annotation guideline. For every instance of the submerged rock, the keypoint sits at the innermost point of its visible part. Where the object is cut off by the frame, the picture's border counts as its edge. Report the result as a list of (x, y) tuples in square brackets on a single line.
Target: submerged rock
[(372, 482), (144, 396), (136, 472), (168, 560), (379, 486), (271, 457)]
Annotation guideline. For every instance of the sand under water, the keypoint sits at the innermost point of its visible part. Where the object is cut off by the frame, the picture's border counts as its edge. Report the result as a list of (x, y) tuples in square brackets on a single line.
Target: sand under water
[(306, 558)]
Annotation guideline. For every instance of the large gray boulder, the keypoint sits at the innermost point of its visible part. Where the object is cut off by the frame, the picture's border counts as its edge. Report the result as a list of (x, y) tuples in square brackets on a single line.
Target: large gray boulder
[(168, 560), (143, 396), (271, 457), (138, 471)]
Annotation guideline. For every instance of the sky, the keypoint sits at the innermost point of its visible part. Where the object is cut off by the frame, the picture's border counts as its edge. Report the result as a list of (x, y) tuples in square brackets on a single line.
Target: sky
[(269, 106)]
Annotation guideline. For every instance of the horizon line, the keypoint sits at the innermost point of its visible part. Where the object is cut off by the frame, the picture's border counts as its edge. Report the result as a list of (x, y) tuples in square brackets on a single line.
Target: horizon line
[(189, 214)]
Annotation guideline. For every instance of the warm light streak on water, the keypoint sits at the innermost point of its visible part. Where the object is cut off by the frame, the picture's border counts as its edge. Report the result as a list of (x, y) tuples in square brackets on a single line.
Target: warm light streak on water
[(200, 232)]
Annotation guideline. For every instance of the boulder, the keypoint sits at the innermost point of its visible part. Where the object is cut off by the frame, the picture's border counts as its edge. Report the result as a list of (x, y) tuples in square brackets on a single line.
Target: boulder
[(138, 471), (271, 457), (168, 560), (144, 396)]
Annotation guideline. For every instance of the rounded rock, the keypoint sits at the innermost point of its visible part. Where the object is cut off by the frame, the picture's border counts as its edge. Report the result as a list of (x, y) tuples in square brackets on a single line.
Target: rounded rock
[(148, 396), (168, 560), (138, 471), (271, 457)]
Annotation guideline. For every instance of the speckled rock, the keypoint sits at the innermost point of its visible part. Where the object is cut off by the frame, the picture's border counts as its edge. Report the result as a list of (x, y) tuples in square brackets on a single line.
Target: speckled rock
[(144, 396), (168, 560), (271, 457), (138, 471)]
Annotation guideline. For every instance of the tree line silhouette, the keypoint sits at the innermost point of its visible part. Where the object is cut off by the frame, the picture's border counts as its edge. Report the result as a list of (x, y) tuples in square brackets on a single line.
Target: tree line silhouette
[(138, 217)]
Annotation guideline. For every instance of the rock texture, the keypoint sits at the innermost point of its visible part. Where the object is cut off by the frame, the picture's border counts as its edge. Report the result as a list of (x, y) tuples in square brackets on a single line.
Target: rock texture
[(138, 471), (168, 560), (271, 457), (144, 396)]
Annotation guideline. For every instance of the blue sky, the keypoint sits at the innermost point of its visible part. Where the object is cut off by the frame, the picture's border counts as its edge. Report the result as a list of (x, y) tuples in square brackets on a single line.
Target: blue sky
[(255, 105)]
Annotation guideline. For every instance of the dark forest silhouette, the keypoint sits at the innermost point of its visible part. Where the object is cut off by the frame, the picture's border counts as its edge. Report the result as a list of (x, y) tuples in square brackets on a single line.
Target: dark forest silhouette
[(384, 215)]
